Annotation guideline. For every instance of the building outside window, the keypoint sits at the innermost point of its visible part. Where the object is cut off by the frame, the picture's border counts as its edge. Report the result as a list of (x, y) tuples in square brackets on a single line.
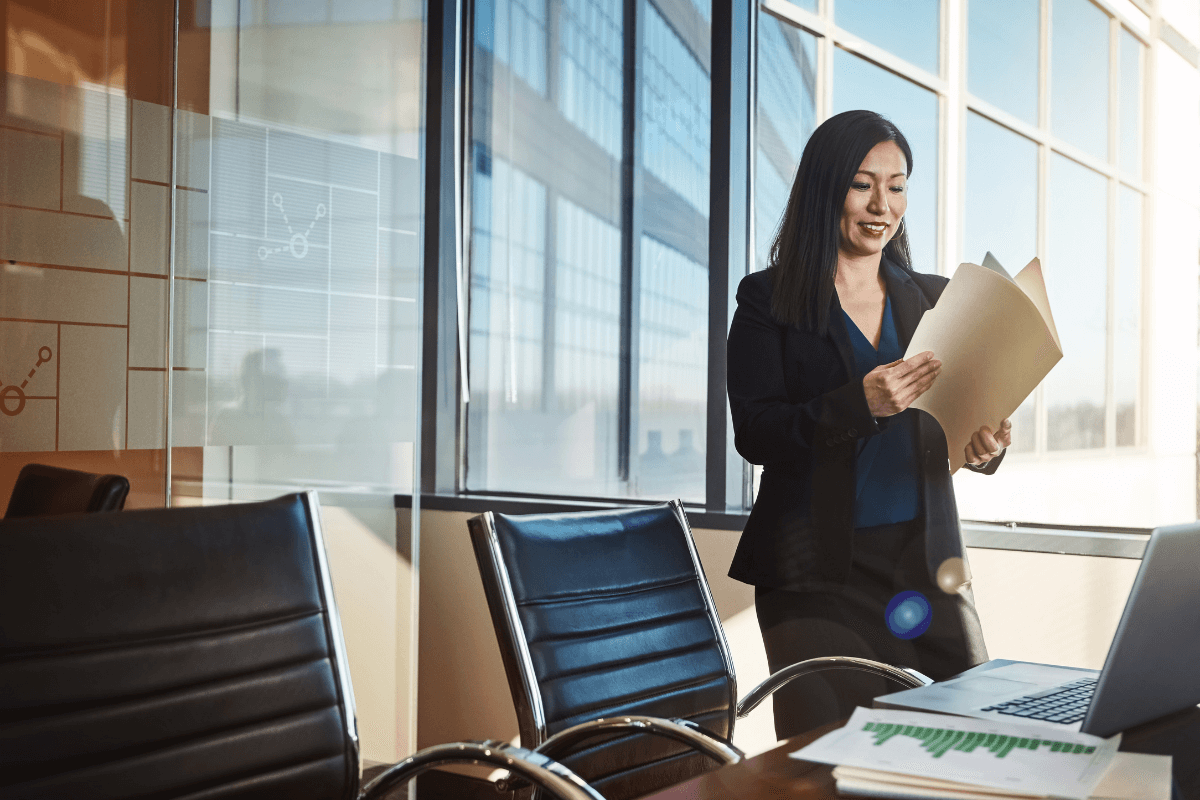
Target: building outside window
[(588, 315), (1033, 133)]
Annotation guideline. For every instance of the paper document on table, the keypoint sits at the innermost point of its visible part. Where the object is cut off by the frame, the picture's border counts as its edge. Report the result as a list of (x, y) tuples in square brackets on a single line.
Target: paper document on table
[(996, 339), (987, 754), (1131, 776)]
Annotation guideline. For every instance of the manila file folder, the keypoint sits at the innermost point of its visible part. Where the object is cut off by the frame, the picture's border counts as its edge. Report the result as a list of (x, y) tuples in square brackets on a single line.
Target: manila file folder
[(995, 337)]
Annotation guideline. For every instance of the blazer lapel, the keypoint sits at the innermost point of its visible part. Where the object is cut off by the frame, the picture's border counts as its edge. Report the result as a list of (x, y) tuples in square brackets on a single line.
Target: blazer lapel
[(841, 336), (908, 303)]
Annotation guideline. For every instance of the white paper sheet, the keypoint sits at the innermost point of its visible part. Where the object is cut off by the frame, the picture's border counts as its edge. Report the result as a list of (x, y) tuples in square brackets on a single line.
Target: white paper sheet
[(1131, 776), (1020, 759)]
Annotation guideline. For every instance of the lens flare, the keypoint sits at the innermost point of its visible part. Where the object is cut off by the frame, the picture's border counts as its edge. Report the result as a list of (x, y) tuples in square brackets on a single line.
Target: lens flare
[(908, 615)]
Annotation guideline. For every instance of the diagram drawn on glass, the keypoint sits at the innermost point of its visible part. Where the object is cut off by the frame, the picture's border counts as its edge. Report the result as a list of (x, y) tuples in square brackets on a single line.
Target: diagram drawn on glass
[(298, 243), (12, 397)]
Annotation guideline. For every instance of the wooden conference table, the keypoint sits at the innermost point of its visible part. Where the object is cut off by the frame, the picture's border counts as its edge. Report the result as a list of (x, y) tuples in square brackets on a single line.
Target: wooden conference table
[(774, 775)]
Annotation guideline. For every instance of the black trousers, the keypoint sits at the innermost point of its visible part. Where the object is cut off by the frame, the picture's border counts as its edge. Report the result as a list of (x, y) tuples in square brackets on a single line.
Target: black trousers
[(849, 620)]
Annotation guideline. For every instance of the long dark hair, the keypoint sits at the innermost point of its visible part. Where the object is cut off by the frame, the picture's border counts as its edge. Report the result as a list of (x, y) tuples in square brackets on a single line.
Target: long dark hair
[(804, 253)]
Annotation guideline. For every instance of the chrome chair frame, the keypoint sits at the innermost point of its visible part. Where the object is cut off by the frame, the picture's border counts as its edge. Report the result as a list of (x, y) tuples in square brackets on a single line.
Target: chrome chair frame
[(312, 508), (529, 705), (533, 767)]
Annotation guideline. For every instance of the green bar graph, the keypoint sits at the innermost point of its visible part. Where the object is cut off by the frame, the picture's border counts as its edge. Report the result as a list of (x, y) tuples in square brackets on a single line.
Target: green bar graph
[(939, 741)]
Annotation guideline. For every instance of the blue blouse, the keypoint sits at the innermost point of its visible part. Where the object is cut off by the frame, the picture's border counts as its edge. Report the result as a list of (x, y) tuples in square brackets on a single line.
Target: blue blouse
[(888, 490)]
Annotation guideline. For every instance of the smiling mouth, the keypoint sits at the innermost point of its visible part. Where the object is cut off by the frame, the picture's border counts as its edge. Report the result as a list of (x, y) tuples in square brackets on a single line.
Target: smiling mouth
[(873, 228)]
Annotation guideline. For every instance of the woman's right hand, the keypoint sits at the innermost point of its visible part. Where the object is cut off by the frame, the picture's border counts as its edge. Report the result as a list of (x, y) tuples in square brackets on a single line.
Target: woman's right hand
[(891, 388)]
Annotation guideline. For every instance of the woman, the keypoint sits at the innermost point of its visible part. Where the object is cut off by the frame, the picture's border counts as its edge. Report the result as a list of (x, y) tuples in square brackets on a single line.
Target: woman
[(853, 545)]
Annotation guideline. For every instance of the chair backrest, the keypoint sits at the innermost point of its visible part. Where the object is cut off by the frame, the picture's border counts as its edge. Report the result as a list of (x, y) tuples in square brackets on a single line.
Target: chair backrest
[(600, 614), (42, 490), (184, 652)]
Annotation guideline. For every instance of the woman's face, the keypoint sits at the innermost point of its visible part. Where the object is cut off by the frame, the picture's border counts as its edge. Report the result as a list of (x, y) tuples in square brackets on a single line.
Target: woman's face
[(876, 201)]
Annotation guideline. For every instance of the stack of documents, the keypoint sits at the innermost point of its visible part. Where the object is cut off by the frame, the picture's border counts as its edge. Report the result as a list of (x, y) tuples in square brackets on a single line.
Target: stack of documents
[(908, 754)]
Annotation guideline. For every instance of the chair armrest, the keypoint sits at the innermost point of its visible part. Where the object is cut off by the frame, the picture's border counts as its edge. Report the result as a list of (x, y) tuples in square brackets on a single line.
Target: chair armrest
[(909, 678), (535, 767), (681, 730)]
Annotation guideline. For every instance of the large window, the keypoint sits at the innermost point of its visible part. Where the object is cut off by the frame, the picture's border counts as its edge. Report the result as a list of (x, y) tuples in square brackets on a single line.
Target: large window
[(1000, 216), (1008, 34), (786, 117), (589, 249), (589, 198), (908, 30), (1088, 229), (857, 83), (1044, 159), (1072, 137)]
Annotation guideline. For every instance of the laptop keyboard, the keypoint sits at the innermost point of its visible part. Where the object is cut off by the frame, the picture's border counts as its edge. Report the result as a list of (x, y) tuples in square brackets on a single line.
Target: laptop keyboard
[(1066, 705)]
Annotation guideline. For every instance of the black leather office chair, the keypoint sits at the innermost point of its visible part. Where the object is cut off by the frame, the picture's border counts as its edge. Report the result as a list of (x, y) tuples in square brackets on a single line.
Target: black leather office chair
[(189, 653), (43, 490), (607, 615)]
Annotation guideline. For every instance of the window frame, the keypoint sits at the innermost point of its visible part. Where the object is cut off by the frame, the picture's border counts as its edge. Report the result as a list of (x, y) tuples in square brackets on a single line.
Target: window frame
[(729, 481), (728, 223), (955, 102)]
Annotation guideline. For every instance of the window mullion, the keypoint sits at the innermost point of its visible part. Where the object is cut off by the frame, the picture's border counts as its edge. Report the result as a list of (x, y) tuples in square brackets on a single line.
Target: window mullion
[(631, 234), (825, 50), (729, 229), (954, 70), (1114, 112), (1043, 196)]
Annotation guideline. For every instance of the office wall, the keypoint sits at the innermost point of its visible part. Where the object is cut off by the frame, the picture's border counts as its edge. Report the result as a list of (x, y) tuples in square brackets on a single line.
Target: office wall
[(1033, 606)]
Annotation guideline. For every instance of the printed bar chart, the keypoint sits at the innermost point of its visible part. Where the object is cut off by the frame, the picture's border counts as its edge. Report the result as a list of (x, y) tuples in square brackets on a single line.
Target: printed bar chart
[(939, 741), (885, 746)]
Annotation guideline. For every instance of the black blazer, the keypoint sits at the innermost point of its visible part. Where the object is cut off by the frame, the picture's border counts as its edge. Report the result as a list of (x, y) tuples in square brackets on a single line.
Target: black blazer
[(798, 411)]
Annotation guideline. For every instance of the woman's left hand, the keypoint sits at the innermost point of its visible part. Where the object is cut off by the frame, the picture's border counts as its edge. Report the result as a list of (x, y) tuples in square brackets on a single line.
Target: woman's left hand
[(986, 444)]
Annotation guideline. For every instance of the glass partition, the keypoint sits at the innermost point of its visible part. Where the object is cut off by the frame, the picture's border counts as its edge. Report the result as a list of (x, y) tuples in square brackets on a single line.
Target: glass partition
[(211, 272), (84, 165)]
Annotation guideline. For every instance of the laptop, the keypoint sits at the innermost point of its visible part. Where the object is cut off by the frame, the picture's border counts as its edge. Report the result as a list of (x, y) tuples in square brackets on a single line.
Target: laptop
[(1152, 667)]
